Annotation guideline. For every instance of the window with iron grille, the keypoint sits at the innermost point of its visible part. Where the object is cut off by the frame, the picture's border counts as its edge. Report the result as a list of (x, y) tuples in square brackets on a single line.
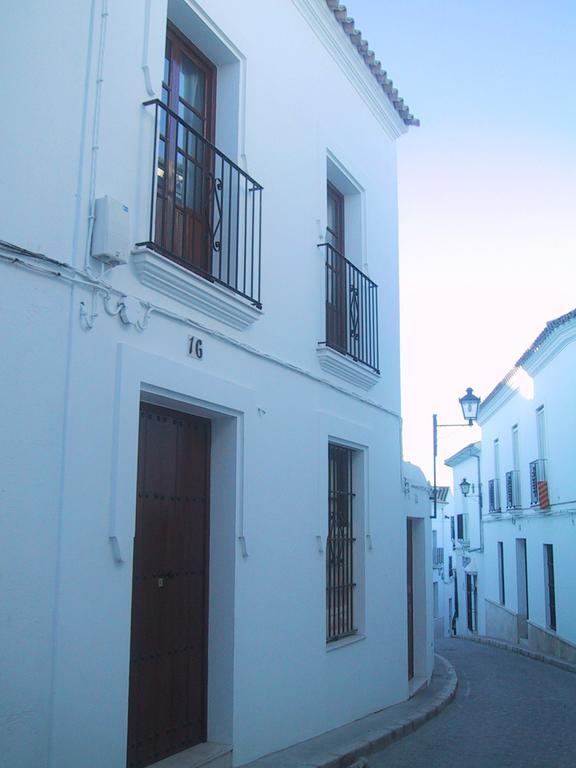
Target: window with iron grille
[(340, 573)]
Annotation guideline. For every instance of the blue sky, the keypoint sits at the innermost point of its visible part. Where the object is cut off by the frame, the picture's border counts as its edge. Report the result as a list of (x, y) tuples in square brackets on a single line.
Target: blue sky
[(487, 191)]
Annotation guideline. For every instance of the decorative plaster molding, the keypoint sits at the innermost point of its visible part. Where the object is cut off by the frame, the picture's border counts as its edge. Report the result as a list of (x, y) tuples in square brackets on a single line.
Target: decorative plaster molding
[(171, 279), (332, 36), (501, 397), (533, 363), (345, 368), (553, 345)]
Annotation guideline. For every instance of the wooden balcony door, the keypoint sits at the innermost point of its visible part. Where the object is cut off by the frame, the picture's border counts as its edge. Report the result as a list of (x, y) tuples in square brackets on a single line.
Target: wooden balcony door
[(168, 648), (185, 185), (336, 299)]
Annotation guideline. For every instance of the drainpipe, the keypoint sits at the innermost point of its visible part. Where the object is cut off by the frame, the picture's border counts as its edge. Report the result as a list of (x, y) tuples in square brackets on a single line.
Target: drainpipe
[(95, 134)]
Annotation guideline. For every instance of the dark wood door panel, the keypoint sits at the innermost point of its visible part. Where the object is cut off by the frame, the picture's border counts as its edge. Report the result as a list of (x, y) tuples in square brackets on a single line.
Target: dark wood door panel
[(167, 707)]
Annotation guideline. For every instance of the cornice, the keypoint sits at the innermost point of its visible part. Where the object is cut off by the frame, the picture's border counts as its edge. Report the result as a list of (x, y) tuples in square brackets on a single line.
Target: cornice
[(169, 278), (554, 344), (500, 398), (334, 39), (532, 364)]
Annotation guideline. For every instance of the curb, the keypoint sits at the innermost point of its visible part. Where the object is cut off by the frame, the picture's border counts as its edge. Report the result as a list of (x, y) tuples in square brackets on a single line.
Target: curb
[(535, 655), (350, 744), (423, 714)]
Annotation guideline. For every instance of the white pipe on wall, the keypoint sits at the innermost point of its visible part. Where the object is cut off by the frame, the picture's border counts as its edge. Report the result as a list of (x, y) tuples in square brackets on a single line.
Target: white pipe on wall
[(95, 133)]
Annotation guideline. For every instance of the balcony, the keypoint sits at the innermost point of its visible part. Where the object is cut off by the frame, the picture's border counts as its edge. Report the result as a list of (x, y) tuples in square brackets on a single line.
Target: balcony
[(437, 557), (513, 489), (351, 313), (205, 214), (494, 504), (539, 495)]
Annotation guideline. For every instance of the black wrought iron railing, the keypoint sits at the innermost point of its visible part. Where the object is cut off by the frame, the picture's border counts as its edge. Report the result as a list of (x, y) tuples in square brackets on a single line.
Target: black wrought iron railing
[(539, 494), (351, 310), (205, 211), (513, 489), (494, 495)]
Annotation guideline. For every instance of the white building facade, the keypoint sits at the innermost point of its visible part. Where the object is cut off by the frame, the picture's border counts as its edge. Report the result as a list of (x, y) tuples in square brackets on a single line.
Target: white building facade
[(203, 527), (467, 534), (528, 441), (420, 590), (443, 563)]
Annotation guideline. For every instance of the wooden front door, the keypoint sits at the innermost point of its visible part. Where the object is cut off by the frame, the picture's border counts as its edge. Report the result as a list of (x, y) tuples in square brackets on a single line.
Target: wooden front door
[(168, 649), (185, 189), (410, 595)]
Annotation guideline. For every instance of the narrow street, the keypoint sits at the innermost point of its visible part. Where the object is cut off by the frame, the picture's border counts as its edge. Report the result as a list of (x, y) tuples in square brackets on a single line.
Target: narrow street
[(509, 712)]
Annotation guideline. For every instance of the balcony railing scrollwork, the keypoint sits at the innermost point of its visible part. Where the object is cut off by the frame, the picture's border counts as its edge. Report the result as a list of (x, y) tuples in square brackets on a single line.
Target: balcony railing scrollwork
[(205, 211), (351, 310)]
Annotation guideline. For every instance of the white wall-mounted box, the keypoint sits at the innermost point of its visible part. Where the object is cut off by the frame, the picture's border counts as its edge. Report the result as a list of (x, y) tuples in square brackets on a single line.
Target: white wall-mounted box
[(111, 234)]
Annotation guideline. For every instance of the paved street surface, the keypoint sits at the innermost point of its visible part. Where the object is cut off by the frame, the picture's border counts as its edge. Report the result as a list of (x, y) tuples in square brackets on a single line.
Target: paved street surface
[(509, 712)]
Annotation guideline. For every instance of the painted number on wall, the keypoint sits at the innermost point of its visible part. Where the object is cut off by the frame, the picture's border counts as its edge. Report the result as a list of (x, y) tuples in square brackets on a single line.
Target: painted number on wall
[(195, 347)]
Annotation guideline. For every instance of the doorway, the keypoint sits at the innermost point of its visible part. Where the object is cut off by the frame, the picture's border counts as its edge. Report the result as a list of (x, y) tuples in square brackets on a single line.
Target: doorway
[(410, 595), (522, 584), (472, 601), (167, 710)]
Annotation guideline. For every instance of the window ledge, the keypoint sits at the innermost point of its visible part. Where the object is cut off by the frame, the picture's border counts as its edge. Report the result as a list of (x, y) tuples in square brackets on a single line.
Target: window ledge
[(345, 641), (171, 279), (346, 368)]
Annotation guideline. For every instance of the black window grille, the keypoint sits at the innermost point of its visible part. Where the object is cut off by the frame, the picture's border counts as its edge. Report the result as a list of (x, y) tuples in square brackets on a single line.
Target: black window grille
[(340, 584)]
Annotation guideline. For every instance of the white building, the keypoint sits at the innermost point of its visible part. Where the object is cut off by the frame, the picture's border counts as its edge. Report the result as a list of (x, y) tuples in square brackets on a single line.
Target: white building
[(203, 528), (443, 563), (467, 537), (528, 444), (420, 591)]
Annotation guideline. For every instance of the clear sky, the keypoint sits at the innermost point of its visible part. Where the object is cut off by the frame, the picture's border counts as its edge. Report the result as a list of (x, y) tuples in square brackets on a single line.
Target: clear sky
[(487, 192)]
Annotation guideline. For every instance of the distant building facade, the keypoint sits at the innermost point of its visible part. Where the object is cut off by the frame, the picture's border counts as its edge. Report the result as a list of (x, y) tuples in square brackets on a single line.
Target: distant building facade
[(443, 563), (420, 591), (467, 540), (528, 446)]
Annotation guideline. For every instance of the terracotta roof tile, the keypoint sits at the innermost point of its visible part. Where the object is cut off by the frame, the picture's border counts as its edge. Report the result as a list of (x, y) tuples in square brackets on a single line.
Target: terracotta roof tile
[(362, 46), (549, 329)]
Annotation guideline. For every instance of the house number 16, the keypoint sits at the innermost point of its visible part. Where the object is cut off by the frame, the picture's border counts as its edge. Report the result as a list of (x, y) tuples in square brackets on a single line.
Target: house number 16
[(195, 347)]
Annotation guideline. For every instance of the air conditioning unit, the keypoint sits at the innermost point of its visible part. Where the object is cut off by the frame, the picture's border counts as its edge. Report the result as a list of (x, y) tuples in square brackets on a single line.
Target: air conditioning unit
[(111, 232)]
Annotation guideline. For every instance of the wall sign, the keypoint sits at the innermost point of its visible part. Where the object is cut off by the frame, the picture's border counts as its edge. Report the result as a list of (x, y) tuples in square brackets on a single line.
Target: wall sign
[(195, 347)]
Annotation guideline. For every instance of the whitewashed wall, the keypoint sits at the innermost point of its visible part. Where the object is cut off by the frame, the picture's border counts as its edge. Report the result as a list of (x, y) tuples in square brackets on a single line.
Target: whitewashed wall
[(69, 455), (441, 574), (417, 507), (547, 379), (468, 553)]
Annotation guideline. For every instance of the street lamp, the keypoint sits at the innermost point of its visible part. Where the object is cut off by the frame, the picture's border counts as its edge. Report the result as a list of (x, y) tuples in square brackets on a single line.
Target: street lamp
[(470, 403), (465, 487)]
